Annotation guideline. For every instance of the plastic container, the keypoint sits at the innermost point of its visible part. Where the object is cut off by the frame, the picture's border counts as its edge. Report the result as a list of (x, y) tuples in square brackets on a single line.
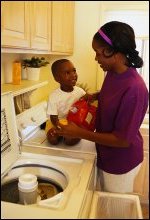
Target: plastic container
[(28, 189), (83, 114), (16, 76), (115, 206), (33, 73)]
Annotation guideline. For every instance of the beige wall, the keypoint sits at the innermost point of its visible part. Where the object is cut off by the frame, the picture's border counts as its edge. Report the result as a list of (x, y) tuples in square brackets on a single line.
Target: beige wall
[(87, 16), (86, 24)]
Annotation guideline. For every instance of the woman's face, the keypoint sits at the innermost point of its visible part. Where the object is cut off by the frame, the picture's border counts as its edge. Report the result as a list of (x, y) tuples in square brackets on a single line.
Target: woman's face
[(104, 56)]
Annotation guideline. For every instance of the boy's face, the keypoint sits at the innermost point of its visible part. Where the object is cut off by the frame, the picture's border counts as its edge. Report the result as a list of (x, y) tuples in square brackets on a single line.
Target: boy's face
[(66, 76)]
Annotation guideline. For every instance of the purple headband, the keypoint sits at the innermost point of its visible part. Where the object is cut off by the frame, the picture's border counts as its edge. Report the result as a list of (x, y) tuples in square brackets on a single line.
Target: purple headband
[(103, 35)]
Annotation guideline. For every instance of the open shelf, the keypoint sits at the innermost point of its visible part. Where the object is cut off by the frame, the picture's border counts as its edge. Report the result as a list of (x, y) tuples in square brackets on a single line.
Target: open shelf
[(25, 86)]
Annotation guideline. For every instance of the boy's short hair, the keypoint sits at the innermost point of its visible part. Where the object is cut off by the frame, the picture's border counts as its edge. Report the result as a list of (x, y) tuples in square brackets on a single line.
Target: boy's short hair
[(55, 66)]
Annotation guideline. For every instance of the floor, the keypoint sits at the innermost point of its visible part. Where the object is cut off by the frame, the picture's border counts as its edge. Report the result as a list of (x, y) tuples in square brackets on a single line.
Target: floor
[(145, 211)]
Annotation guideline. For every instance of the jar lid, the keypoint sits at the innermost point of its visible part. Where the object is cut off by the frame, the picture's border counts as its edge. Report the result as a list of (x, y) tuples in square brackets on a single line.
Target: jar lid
[(27, 181)]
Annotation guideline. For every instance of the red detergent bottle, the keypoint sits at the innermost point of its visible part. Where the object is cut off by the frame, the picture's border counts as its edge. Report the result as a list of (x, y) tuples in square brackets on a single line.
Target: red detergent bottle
[(83, 114)]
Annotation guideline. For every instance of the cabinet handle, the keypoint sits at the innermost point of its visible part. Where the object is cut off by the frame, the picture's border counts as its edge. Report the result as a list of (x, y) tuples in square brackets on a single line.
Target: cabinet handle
[(32, 119)]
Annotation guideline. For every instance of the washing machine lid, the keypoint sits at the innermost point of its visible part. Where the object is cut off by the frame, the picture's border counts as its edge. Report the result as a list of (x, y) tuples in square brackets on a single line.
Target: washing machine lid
[(10, 145)]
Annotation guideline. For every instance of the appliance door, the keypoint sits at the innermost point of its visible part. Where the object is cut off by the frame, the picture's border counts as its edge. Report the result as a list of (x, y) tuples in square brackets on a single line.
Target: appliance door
[(9, 135), (85, 208)]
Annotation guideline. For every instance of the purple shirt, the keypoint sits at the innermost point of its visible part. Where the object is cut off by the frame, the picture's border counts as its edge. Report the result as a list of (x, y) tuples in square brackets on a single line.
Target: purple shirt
[(122, 104)]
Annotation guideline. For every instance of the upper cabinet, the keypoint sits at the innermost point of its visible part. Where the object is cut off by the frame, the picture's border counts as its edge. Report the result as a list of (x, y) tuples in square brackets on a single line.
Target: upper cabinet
[(40, 25), (62, 26), (36, 26), (15, 28)]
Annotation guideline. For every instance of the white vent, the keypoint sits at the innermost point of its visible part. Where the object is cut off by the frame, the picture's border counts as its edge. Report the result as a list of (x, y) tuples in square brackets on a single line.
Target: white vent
[(5, 140)]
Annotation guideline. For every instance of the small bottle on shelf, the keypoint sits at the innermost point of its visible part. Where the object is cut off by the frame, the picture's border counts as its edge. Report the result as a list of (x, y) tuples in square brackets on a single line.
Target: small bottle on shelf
[(16, 76)]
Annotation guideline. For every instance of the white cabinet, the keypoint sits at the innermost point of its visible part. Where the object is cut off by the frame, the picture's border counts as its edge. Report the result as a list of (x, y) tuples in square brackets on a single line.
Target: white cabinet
[(15, 28), (40, 18), (35, 26), (141, 184), (62, 26), (26, 24), (86, 205)]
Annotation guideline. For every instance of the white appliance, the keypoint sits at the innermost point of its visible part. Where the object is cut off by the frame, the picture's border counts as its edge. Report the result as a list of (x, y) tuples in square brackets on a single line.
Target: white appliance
[(30, 133), (70, 169)]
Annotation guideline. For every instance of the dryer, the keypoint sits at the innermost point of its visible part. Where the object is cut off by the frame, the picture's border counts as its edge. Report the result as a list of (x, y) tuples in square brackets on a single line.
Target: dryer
[(69, 173)]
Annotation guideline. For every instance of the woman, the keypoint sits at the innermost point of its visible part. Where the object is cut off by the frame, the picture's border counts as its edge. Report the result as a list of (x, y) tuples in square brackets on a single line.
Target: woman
[(122, 104)]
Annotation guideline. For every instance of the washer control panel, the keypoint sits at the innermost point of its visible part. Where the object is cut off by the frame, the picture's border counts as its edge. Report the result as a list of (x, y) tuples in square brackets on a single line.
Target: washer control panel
[(30, 119)]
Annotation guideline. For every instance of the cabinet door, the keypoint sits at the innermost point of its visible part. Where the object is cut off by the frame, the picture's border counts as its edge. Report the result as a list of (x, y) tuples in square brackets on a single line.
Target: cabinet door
[(62, 26), (15, 24), (141, 184), (40, 24)]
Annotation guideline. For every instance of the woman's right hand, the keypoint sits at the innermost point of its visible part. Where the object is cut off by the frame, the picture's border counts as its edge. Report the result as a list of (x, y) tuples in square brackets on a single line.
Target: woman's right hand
[(70, 130)]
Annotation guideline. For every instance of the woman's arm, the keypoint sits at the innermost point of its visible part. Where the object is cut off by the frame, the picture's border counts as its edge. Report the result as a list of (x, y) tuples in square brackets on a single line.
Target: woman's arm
[(107, 139)]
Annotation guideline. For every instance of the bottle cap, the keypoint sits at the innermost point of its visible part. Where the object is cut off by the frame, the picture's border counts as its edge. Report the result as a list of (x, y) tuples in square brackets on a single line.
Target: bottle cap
[(27, 181)]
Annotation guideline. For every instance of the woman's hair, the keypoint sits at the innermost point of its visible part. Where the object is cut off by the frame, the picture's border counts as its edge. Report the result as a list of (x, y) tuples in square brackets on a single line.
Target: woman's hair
[(56, 65), (120, 37)]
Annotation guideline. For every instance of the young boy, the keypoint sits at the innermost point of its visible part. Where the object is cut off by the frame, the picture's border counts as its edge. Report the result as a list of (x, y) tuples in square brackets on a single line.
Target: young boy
[(61, 99)]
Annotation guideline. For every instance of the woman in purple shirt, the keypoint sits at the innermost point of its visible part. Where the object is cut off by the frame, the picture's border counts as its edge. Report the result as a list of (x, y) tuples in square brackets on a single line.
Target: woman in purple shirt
[(122, 104)]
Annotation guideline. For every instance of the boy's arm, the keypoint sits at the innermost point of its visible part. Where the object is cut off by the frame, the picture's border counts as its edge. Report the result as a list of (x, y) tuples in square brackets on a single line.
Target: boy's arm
[(54, 120), (95, 96)]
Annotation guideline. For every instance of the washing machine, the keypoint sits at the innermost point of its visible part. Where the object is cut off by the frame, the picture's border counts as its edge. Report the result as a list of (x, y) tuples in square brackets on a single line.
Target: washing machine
[(66, 175), (30, 132)]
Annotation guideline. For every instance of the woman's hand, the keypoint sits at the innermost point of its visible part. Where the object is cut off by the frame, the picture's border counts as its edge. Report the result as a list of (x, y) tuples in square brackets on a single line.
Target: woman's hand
[(70, 130), (90, 97)]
